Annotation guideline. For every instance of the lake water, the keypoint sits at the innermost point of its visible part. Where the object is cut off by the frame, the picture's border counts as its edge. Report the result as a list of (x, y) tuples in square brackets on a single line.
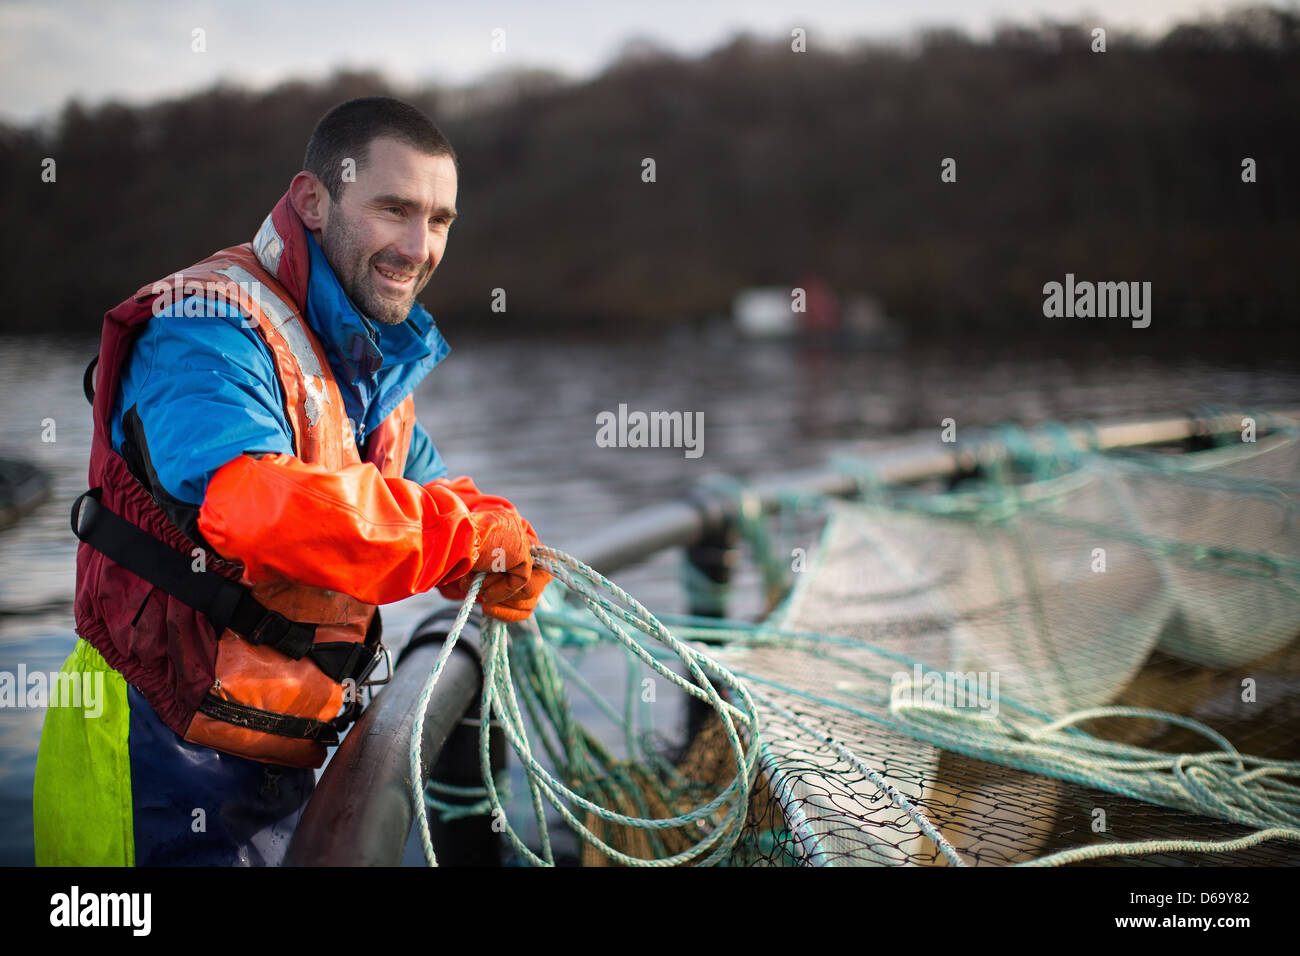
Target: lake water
[(521, 417)]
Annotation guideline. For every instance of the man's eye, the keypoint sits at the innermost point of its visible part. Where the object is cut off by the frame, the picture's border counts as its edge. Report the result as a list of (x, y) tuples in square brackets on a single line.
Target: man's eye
[(396, 209)]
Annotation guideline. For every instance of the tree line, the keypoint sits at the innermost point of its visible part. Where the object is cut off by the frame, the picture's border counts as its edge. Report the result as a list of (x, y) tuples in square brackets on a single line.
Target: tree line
[(951, 177)]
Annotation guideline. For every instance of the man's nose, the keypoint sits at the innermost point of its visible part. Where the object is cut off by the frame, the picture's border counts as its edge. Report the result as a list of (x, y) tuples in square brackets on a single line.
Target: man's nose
[(414, 243)]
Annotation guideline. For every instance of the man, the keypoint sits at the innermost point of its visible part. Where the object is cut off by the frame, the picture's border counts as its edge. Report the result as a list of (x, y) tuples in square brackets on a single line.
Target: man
[(258, 485)]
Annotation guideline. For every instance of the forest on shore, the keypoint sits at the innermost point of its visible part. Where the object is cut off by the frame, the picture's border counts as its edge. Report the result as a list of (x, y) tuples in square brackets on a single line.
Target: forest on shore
[(1129, 165)]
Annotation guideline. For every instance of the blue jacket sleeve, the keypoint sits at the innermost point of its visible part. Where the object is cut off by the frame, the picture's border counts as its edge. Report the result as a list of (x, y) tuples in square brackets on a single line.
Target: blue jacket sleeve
[(216, 397), (423, 463)]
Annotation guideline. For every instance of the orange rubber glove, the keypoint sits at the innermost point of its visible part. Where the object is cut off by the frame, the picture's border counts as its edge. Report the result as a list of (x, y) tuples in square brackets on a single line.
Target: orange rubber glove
[(503, 552), (524, 601), (377, 539), (519, 603), (506, 541)]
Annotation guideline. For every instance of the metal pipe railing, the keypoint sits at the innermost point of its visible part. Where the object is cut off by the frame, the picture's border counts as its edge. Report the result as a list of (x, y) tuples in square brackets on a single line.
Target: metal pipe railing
[(686, 523), (360, 813)]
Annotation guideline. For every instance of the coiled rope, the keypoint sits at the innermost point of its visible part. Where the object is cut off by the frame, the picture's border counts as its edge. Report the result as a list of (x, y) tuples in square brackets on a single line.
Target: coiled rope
[(1223, 783), (721, 818)]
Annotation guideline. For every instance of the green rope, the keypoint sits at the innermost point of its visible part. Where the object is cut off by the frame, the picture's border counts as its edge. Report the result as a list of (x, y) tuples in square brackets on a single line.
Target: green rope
[(1082, 854), (434, 790), (417, 775), (1196, 782), (530, 671), (767, 554)]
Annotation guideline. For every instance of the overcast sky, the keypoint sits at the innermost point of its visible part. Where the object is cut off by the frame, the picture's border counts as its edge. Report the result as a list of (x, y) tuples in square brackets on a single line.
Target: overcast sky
[(140, 50)]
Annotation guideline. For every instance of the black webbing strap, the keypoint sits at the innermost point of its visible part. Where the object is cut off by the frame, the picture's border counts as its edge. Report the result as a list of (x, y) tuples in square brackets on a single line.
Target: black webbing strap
[(242, 715), (227, 603)]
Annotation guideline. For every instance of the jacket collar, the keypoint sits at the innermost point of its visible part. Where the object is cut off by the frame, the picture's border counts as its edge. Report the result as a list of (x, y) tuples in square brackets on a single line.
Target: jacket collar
[(356, 345)]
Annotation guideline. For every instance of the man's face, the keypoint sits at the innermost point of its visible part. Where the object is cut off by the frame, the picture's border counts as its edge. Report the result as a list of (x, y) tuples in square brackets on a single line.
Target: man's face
[(387, 231)]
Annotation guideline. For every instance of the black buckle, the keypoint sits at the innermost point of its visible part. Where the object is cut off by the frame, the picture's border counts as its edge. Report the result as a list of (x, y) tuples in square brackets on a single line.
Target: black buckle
[(351, 711)]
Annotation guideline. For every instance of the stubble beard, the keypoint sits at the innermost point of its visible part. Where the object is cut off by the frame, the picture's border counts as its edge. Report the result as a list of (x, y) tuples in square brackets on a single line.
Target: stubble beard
[(342, 248)]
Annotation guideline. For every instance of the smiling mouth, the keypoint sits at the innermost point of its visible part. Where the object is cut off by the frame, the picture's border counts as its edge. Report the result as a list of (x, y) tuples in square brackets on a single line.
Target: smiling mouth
[(397, 278)]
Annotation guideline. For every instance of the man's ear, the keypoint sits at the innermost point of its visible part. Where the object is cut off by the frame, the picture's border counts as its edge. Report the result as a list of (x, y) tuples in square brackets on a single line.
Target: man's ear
[(310, 200)]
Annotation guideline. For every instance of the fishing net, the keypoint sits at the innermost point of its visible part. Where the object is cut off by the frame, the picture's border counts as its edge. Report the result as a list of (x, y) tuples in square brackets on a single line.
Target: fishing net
[(1062, 657), (1169, 583)]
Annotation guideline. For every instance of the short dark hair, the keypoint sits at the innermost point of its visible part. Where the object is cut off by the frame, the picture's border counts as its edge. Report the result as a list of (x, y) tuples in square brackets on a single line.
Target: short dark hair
[(347, 129)]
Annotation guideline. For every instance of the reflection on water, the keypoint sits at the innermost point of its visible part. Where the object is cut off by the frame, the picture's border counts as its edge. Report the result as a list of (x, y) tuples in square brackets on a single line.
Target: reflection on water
[(521, 418)]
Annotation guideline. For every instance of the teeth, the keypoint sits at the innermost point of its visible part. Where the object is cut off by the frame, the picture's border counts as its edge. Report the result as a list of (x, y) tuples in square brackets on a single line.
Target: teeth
[(393, 275)]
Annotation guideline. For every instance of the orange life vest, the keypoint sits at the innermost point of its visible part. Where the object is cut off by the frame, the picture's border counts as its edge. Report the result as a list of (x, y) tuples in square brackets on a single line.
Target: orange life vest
[(264, 692)]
